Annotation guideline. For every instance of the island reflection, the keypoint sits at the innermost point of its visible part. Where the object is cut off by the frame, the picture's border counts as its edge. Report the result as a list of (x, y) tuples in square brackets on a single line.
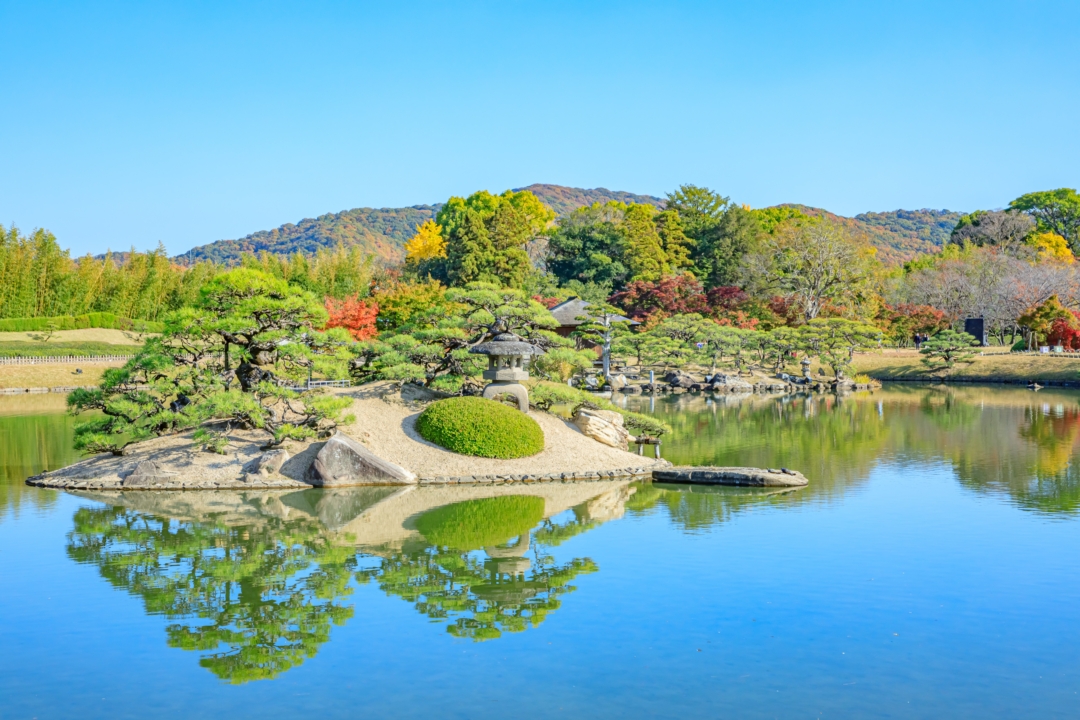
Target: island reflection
[(254, 582)]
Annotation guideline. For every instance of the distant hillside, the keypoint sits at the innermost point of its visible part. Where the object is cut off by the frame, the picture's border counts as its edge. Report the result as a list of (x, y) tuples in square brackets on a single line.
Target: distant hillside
[(898, 235), (565, 200), (381, 231)]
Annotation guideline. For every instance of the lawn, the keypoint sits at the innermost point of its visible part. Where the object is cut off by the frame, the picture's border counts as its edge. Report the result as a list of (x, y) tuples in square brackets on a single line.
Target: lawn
[(96, 335), (995, 365), (52, 374)]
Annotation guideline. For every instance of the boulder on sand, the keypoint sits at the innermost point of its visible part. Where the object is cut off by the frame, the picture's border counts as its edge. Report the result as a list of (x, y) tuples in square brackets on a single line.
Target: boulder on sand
[(270, 462), (148, 473), (605, 426), (344, 461)]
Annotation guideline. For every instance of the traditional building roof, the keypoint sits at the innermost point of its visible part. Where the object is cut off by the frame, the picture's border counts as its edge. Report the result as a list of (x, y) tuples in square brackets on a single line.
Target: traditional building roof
[(568, 312)]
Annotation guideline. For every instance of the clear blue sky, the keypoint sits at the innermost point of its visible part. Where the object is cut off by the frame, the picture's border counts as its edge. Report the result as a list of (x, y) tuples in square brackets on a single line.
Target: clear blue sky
[(129, 124)]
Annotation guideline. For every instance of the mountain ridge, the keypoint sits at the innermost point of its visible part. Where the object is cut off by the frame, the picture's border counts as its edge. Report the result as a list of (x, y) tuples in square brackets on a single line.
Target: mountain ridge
[(899, 235)]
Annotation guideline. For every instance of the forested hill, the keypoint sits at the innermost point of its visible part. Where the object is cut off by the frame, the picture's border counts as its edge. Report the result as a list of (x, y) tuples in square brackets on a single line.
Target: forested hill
[(380, 231), (564, 200), (898, 235)]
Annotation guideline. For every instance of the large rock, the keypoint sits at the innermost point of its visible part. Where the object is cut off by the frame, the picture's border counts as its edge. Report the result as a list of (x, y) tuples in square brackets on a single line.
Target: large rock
[(344, 461), (735, 476), (148, 473), (617, 382), (730, 384), (605, 426), (679, 380)]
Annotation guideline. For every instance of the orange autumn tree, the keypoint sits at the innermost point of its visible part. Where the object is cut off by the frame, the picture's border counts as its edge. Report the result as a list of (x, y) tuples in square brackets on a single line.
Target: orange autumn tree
[(353, 314)]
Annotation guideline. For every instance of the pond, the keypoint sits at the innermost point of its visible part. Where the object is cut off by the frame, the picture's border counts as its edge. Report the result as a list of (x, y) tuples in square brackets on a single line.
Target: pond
[(928, 571)]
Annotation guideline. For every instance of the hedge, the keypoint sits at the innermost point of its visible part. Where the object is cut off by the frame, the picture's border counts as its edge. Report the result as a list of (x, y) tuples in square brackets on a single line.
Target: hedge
[(473, 524), (79, 322), (475, 426)]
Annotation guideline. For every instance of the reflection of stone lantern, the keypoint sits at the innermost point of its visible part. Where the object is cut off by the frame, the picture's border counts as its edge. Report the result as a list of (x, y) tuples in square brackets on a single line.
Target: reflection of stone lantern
[(508, 363)]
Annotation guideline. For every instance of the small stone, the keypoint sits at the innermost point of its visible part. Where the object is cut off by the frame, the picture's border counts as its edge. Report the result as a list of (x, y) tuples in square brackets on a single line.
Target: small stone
[(270, 462)]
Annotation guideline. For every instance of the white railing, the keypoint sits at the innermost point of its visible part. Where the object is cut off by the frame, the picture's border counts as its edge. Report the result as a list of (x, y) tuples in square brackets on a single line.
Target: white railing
[(312, 384), (67, 359)]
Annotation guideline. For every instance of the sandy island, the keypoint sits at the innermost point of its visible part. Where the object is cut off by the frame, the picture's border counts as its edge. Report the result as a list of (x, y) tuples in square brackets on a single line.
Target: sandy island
[(384, 425)]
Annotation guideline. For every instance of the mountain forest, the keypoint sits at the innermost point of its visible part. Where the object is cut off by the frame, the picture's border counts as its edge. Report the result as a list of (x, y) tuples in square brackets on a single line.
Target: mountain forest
[(678, 267)]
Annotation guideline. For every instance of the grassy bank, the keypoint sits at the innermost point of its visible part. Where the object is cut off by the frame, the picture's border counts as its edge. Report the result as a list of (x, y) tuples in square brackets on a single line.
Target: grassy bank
[(992, 366), (51, 375), (98, 341)]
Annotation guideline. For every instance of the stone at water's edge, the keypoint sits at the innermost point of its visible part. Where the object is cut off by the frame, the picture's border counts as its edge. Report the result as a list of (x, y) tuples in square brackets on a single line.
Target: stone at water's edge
[(271, 461), (735, 476), (603, 426), (344, 461), (148, 473)]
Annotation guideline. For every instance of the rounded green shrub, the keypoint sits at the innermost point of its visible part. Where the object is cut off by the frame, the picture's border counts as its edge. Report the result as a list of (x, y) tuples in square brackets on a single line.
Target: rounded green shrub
[(475, 426), (474, 524)]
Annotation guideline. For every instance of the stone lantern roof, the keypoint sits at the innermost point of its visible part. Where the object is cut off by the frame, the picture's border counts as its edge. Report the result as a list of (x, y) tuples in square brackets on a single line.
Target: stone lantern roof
[(506, 343), (508, 357)]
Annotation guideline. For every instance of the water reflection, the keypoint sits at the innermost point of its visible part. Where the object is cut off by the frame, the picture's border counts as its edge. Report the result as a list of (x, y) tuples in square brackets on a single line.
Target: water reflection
[(35, 435), (1002, 441), (254, 582), (255, 599)]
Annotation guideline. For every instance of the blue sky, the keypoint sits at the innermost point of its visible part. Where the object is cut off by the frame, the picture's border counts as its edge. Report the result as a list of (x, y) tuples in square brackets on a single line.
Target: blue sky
[(129, 124)]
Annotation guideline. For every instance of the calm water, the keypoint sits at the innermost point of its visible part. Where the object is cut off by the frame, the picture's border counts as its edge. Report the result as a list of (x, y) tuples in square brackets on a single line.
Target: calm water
[(928, 571)]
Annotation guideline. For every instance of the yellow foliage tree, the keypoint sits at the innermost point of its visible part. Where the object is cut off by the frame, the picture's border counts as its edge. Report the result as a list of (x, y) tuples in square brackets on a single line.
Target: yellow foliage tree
[(1051, 246), (426, 244)]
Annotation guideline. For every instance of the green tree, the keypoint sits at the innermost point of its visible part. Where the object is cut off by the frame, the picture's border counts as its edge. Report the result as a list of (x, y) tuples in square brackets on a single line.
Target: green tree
[(184, 378), (486, 236), (601, 326), (1039, 320), (835, 341), (815, 263), (645, 256), (720, 232), (433, 348), (943, 352), (1056, 211), (588, 247)]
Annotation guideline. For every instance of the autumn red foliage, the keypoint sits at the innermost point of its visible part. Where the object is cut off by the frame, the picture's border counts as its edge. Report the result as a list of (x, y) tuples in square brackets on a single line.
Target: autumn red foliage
[(548, 302), (727, 297), (902, 321), (644, 299), (353, 314), (1065, 332)]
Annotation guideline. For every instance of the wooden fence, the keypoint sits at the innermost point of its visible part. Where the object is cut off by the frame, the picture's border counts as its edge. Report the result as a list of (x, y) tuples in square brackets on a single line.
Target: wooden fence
[(69, 359)]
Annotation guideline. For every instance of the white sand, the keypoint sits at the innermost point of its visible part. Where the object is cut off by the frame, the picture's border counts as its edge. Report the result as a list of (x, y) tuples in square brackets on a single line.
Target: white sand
[(385, 424)]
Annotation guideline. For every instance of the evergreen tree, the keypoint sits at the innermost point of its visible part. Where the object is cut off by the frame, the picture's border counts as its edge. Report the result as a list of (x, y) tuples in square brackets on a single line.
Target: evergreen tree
[(645, 256), (184, 379), (470, 254)]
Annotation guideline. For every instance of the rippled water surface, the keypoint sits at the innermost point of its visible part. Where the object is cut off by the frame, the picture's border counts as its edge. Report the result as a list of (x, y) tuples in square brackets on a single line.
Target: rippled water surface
[(928, 571)]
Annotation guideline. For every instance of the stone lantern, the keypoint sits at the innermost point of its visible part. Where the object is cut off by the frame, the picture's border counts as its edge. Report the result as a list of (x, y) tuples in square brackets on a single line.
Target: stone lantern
[(508, 363)]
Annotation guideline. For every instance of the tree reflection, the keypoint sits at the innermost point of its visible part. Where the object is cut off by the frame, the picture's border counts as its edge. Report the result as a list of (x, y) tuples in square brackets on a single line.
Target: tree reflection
[(998, 440), (700, 507), (256, 600), (508, 587)]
